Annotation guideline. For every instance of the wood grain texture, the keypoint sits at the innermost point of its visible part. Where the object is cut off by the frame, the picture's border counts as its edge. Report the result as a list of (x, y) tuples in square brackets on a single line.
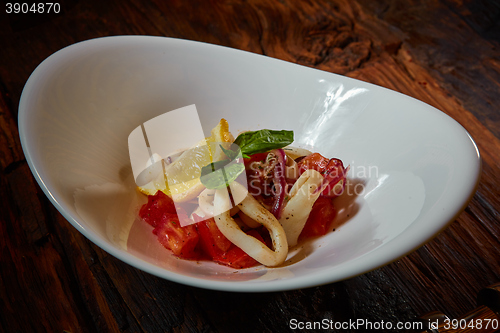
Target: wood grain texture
[(443, 52)]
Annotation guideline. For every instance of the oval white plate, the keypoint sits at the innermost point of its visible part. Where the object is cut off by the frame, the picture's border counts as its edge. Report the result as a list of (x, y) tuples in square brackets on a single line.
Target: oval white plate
[(413, 169)]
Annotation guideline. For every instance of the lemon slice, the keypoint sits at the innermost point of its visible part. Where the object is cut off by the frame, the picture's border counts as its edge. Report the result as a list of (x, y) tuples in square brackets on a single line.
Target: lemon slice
[(183, 174), (158, 183)]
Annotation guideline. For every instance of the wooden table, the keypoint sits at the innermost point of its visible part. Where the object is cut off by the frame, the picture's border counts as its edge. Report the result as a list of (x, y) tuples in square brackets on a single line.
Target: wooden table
[(443, 52)]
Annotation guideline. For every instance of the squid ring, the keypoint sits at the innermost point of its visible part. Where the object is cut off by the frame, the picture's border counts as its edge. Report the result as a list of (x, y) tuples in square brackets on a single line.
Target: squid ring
[(301, 200), (248, 220), (252, 246), (206, 203), (292, 168)]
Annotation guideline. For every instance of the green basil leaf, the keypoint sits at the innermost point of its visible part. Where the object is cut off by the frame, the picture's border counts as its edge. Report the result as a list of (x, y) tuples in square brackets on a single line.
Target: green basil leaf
[(230, 153), (255, 142), (221, 173), (207, 169)]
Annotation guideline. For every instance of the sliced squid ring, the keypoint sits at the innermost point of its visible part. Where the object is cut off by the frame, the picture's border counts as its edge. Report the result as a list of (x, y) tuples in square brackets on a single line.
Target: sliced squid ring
[(205, 201), (292, 168), (250, 245), (300, 202)]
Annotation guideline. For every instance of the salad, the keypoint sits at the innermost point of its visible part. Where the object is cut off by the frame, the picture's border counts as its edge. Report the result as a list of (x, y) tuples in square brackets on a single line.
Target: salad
[(249, 199)]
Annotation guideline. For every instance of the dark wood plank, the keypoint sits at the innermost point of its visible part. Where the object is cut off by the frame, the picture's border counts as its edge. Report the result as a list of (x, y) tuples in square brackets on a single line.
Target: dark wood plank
[(458, 42)]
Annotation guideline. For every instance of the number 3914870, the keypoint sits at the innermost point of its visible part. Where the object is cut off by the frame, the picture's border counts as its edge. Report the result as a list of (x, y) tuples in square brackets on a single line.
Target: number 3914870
[(35, 8)]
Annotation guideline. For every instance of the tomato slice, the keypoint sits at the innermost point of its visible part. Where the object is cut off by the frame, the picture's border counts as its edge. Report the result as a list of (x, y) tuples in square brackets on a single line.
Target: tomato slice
[(212, 241), (236, 257), (160, 213), (313, 161), (259, 157), (331, 168), (320, 219), (220, 249), (182, 241), (157, 205)]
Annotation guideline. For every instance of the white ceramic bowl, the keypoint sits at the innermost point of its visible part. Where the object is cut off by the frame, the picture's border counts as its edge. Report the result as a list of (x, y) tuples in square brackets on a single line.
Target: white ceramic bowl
[(413, 169)]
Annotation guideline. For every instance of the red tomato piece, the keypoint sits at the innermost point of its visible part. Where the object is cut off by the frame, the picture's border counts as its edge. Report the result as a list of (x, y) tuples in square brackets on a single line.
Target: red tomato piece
[(182, 241), (259, 157), (314, 161), (332, 169), (236, 257), (157, 205), (335, 176), (220, 249), (212, 241), (320, 219)]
